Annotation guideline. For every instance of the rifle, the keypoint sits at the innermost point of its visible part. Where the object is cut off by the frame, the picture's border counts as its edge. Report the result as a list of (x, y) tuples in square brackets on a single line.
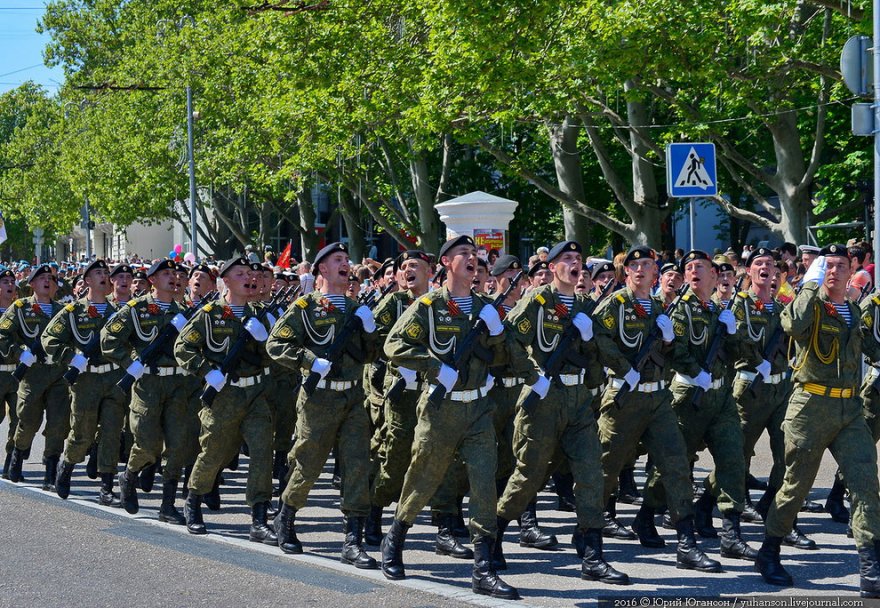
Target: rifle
[(154, 349), (470, 343), (648, 346), (341, 342), (231, 361), (562, 353), (715, 346), (36, 347), (772, 346), (89, 351)]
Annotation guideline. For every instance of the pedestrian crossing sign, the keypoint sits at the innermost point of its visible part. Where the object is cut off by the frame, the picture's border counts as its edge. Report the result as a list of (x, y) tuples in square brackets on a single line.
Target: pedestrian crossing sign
[(690, 170)]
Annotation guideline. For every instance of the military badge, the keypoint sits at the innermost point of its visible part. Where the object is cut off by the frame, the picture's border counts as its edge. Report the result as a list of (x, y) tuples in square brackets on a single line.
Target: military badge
[(285, 332), (679, 328), (385, 318), (116, 327), (414, 331), (608, 321), (5, 324), (524, 326), (193, 336)]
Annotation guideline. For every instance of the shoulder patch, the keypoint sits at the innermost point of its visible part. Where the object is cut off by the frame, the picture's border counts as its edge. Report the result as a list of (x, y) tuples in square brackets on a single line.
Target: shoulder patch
[(116, 327), (301, 302), (686, 297), (19, 303), (56, 329), (620, 298), (414, 331), (5, 324), (876, 300), (131, 303), (385, 317), (285, 332), (193, 336), (679, 328), (608, 320), (869, 322), (540, 299), (524, 326), (70, 308), (743, 294), (208, 307), (426, 300), (739, 313)]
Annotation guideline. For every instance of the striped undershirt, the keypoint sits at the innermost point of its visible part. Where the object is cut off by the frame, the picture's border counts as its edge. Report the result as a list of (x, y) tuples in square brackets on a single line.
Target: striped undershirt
[(163, 305), (464, 304), (646, 304), (46, 308), (567, 300), (843, 310), (337, 301), (238, 311), (101, 308), (769, 305)]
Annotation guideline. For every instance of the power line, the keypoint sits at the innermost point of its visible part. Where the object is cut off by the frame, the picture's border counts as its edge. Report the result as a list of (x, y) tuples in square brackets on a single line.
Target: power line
[(30, 67)]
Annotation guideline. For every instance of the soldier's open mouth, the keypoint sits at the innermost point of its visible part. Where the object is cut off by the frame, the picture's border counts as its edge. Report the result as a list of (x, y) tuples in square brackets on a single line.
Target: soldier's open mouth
[(763, 275)]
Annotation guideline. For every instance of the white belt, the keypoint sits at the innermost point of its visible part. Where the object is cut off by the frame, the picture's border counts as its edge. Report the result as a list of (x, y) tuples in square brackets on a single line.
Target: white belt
[(166, 371), (462, 396), (750, 377), (100, 369), (8, 367), (512, 381), (716, 383), (643, 387), (594, 392), (571, 379), (337, 385), (247, 381)]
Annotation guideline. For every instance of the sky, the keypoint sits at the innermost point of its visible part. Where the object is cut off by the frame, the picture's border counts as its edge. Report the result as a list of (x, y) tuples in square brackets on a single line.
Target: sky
[(21, 48)]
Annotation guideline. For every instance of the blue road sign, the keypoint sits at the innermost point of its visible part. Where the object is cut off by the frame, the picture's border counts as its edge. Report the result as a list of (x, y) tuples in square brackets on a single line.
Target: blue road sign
[(690, 170)]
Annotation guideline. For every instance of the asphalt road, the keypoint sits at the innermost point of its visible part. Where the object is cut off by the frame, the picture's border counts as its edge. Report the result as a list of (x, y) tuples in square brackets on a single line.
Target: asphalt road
[(77, 553)]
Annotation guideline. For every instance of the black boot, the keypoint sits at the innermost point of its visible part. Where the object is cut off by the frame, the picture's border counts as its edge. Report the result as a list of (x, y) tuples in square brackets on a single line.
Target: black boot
[(667, 521), (352, 548), (869, 571), (148, 477), (484, 580), (613, 528), (627, 491), (373, 527), (192, 512), (271, 509), (749, 513), (753, 483), (6, 465), (798, 539), (768, 564), (564, 486), (763, 504), (285, 529), (106, 496), (280, 469), (128, 481), (212, 498), (530, 535), (92, 462), (643, 526), (15, 462), (703, 516), (392, 550), (447, 544), (732, 543), (594, 567), (499, 562), (51, 464), (811, 506), (459, 527), (168, 512), (337, 476), (260, 531), (834, 503), (689, 556), (62, 480)]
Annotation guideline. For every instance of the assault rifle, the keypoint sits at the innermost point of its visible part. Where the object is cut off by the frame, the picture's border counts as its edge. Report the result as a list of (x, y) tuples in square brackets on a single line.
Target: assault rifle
[(341, 342)]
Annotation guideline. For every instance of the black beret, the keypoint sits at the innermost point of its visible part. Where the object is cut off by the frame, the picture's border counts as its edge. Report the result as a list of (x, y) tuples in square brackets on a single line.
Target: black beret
[(724, 267), (35, 272), (560, 248), (140, 274), (120, 268), (7, 273), (411, 254), (94, 266), (281, 276), (161, 265), (483, 263), (834, 250), (203, 268), (505, 263), (669, 267), (809, 249), (761, 252), (459, 240), (600, 268), (693, 255), (326, 251), (380, 271), (534, 268), (639, 252), (232, 263)]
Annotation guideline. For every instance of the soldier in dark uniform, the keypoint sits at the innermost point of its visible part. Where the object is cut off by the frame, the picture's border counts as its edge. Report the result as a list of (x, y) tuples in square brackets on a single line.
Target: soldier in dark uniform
[(8, 363)]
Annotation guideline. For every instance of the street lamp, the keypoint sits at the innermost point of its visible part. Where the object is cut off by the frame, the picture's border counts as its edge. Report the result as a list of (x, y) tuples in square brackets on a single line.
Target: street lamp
[(161, 26)]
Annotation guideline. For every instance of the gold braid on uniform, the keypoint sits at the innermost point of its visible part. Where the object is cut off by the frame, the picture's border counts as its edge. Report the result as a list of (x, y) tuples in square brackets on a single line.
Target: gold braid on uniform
[(827, 358)]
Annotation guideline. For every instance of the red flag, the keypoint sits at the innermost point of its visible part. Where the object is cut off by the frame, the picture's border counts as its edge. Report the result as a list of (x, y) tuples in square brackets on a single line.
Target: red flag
[(284, 258)]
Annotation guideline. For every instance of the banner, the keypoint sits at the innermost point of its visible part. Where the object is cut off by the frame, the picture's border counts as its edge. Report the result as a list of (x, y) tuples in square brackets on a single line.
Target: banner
[(284, 258), (490, 238)]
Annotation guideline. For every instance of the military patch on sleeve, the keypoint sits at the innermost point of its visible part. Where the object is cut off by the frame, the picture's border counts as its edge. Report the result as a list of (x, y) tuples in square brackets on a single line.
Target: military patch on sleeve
[(679, 328), (385, 317), (740, 313), (193, 336), (5, 324), (524, 326), (414, 331), (116, 327), (285, 332), (869, 322), (56, 329), (608, 321)]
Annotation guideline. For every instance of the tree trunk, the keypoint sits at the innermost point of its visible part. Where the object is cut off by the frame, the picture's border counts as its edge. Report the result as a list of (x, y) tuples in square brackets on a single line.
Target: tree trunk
[(647, 217), (307, 234), (351, 215), (569, 176), (794, 199), (429, 220)]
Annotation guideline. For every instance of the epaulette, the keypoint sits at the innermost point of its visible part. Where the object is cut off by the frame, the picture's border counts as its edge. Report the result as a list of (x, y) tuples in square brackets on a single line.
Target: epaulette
[(876, 300), (70, 307), (686, 297), (620, 298), (208, 307), (540, 299), (19, 303), (426, 300), (743, 294), (301, 302), (131, 303)]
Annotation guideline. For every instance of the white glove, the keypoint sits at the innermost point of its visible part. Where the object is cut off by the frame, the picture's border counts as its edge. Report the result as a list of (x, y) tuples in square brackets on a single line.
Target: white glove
[(632, 378), (704, 380), (816, 271), (409, 375), (322, 367), (541, 387), (27, 357), (216, 379), (256, 329), (490, 317), (366, 317), (729, 320), (271, 319), (178, 321), (490, 382), (448, 376), (764, 368), (135, 370), (584, 325), (80, 362), (665, 325)]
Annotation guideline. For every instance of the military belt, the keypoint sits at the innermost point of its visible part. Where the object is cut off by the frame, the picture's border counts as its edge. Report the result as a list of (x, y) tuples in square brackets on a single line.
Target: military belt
[(462, 396), (248, 380), (337, 385), (101, 369), (829, 391), (571, 379), (716, 383), (166, 371), (8, 367), (643, 387), (506, 382), (594, 392), (750, 376)]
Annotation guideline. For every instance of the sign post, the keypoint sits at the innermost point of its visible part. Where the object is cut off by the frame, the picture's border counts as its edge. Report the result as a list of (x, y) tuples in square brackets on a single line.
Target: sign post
[(691, 173)]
